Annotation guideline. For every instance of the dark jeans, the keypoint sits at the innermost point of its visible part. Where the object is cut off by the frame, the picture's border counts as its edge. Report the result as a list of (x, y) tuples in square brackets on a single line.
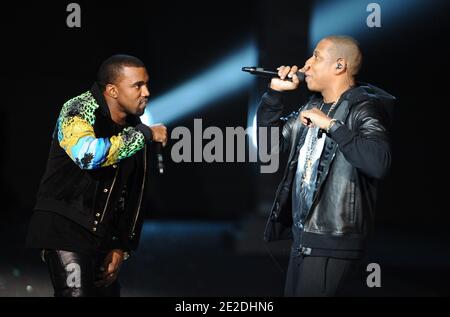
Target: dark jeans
[(74, 274), (312, 276)]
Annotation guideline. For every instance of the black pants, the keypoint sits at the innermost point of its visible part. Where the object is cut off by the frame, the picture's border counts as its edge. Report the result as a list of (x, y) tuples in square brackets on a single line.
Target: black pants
[(74, 274), (312, 276)]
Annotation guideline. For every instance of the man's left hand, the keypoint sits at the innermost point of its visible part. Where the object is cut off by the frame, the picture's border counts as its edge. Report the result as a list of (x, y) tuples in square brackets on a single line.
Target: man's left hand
[(111, 268), (315, 117)]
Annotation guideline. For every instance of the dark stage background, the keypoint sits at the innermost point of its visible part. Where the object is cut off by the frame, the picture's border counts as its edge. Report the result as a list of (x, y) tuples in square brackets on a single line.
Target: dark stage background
[(226, 204)]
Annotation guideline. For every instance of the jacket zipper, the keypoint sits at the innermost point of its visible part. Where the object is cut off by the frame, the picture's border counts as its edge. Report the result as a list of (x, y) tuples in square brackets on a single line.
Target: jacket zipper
[(109, 194), (142, 193), (319, 188), (294, 133)]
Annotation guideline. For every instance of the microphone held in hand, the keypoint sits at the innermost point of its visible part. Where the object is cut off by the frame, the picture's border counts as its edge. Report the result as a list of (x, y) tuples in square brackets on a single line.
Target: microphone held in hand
[(159, 156), (268, 73)]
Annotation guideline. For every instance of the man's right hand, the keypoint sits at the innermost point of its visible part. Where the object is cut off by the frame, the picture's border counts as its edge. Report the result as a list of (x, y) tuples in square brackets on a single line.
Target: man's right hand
[(281, 84), (159, 132)]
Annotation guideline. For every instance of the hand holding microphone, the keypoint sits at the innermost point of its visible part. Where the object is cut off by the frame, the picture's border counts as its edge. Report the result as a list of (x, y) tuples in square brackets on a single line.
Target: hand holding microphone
[(159, 133), (288, 79), (284, 79)]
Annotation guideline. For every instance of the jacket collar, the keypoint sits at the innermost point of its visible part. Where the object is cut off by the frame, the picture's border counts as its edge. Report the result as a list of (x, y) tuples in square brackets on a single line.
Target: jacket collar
[(101, 101), (359, 93)]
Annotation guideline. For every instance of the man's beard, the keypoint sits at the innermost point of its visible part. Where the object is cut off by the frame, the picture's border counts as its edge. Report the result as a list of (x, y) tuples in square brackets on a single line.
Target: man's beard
[(140, 112)]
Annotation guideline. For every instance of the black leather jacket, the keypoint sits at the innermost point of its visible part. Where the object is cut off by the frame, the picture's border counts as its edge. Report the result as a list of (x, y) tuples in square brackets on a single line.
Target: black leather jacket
[(87, 195), (356, 154)]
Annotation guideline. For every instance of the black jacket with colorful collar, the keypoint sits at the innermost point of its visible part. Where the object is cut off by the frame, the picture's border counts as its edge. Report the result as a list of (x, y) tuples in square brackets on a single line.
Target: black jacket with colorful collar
[(89, 164)]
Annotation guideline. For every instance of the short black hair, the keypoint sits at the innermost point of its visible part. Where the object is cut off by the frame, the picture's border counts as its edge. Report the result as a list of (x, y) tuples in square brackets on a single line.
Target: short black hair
[(111, 68), (347, 47)]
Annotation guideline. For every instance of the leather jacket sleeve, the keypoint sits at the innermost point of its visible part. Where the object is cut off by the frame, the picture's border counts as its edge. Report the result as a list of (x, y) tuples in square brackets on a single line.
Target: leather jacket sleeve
[(270, 114), (364, 138)]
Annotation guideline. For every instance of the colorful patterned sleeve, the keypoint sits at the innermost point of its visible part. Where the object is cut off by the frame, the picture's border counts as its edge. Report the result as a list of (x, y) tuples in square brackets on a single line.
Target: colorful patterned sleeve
[(77, 137)]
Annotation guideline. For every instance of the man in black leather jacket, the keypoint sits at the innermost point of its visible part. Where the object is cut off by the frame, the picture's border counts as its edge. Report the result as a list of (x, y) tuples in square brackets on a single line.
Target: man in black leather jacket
[(338, 145), (91, 200)]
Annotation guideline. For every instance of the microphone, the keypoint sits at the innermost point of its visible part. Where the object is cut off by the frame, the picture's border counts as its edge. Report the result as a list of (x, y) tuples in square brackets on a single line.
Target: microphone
[(159, 156), (268, 73)]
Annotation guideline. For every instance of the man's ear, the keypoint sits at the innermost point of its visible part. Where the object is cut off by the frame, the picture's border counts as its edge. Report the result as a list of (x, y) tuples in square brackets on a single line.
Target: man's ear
[(111, 90), (341, 66)]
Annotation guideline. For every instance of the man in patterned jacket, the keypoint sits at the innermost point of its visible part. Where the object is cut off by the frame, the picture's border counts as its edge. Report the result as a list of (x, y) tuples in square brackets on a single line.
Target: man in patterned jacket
[(90, 204)]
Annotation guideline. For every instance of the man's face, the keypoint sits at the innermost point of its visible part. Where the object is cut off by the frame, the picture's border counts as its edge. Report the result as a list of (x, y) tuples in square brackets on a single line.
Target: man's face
[(132, 88), (320, 68)]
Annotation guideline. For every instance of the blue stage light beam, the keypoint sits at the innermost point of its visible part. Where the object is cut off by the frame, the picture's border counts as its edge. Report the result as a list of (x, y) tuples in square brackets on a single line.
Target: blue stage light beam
[(222, 79), (349, 17)]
